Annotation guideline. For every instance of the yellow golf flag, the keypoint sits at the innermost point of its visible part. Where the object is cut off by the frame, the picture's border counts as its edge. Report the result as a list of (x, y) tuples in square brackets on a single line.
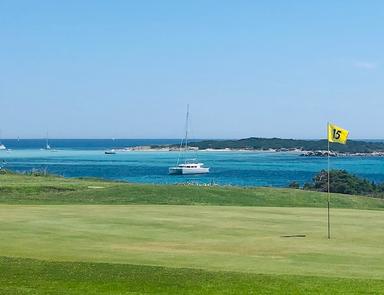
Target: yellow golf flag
[(337, 134)]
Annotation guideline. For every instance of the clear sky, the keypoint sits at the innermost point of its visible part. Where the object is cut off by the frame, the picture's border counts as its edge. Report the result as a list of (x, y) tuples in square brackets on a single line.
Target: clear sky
[(127, 69)]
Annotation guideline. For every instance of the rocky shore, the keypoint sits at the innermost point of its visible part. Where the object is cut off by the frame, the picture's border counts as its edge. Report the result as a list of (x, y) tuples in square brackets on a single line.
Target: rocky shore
[(339, 154)]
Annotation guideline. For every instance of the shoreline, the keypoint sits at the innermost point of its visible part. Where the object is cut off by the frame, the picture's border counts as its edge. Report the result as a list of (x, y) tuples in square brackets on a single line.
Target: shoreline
[(303, 153)]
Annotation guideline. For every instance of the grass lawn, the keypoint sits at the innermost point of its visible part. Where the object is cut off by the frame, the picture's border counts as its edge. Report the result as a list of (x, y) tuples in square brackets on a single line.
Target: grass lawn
[(18, 189), (26, 276), (241, 239), (71, 236)]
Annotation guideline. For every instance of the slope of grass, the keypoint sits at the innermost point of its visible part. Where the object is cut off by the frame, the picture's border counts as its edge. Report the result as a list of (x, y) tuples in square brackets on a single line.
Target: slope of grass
[(27, 276), (83, 244), (215, 238), (18, 189)]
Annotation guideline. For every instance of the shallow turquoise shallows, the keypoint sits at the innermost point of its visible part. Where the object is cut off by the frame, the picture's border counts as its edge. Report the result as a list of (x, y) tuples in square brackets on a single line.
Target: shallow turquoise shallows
[(227, 168)]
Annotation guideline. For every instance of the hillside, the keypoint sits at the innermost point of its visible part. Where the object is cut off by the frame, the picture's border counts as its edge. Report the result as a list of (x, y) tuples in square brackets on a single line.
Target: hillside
[(50, 190)]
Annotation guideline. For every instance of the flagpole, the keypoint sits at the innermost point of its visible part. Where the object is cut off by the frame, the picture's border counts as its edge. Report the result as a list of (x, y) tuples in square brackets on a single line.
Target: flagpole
[(329, 193)]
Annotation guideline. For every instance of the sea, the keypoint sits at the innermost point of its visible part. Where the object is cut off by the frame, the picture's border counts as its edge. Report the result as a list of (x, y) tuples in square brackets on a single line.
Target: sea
[(86, 158)]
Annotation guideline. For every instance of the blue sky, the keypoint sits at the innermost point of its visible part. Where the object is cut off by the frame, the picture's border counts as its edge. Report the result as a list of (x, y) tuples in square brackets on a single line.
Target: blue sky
[(127, 69)]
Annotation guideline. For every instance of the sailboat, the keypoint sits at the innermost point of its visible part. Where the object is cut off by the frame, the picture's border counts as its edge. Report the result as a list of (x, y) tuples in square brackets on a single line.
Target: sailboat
[(2, 146), (47, 145), (190, 166)]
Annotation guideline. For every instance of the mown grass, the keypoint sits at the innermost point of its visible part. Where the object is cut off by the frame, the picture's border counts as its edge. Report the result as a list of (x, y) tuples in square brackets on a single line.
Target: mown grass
[(214, 238), (18, 189), (27, 276), (218, 240)]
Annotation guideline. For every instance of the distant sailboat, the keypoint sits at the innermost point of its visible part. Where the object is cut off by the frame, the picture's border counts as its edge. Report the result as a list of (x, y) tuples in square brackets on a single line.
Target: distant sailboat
[(2, 146), (189, 166), (47, 145), (111, 151)]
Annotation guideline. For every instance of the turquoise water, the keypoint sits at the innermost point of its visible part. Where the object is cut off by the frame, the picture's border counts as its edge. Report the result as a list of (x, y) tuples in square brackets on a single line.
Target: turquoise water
[(227, 168)]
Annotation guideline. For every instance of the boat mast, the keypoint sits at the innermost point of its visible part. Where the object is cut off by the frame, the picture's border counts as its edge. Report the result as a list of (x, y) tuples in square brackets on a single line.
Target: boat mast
[(186, 128), (1, 139), (184, 141)]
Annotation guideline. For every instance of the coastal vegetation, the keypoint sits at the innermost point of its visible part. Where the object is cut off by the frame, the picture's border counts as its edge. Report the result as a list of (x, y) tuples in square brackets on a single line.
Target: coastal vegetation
[(344, 182), (90, 236), (256, 143)]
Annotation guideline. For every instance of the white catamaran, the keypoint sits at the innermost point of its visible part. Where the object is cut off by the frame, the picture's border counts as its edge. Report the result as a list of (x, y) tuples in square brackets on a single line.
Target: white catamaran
[(190, 166)]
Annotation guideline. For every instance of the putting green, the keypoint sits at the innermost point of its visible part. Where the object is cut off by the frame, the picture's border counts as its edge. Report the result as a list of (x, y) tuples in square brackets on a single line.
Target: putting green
[(245, 239)]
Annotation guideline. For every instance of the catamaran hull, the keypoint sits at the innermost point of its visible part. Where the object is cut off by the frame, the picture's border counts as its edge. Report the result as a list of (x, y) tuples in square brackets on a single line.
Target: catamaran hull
[(187, 171)]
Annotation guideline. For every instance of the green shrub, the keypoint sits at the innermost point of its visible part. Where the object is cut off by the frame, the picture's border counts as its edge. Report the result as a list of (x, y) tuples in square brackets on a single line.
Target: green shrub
[(343, 182), (294, 184)]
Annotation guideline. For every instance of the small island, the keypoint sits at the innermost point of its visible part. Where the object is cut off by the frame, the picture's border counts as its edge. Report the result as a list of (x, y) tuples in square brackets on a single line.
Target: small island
[(312, 148)]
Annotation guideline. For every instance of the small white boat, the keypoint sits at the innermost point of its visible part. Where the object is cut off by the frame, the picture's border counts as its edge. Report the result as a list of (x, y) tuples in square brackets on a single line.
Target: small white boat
[(2, 146), (47, 146), (110, 152), (189, 166)]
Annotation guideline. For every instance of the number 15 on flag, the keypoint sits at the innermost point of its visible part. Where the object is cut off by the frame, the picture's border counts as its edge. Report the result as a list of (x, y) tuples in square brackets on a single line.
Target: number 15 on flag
[(337, 134)]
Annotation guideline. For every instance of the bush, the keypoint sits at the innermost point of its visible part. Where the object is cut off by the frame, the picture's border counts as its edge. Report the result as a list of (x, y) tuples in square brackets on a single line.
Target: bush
[(343, 182), (294, 184)]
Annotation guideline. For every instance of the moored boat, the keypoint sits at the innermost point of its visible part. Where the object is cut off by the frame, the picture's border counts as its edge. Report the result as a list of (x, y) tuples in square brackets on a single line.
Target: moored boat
[(2, 146), (191, 166), (110, 152)]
